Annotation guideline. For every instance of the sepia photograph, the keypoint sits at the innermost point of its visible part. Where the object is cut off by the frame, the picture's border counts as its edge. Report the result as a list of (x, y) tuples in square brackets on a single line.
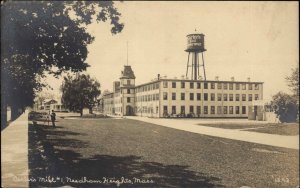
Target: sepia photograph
[(149, 94)]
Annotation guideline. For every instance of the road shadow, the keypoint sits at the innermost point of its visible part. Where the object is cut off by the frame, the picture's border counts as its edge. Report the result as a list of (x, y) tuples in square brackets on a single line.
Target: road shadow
[(55, 157)]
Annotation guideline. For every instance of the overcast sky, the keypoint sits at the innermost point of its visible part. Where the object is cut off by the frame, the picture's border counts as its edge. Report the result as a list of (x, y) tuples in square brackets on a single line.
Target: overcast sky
[(243, 39)]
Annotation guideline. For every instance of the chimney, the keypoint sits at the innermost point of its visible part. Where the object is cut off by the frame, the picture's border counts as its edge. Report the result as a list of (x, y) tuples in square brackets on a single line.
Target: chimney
[(158, 76), (232, 79), (217, 78), (248, 79)]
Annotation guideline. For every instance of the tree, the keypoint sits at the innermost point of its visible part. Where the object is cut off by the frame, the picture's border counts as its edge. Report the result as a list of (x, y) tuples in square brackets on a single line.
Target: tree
[(293, 81), (80, 92), (285, 107), (38, 36)]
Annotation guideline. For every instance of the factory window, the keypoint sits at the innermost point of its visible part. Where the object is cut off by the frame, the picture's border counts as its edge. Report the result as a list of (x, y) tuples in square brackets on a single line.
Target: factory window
[(256, 86), (198, 85), (225, 86), (225, 97), (191, 85), (237, 86), (231, 86), (230, 97), (237, 110), (212, 97), (128, 90), (128, 82), (219, 110), (225, 110), (198, 110), (157, 96), (173, 96), (205, 96), (156, 109), (128, 99), (243, 109), (219, 97), (230, 109), (165, 109), (165, 83), (182, 96), (212, 110), (198, 96), (173, 109), (191, 109), (205, 85), (219, 86), (153, 96), (237, 97), (256, 97), (191, 96), (173, 84), (250, 97), (250, 86), (212, 85), (244, 97), (205, 109), (165, 96), (182, 109), (182, 85), (243, 86)]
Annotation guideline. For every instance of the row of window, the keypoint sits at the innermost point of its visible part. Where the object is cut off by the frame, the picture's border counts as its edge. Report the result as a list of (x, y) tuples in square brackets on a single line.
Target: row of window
[(213, 110), (148, 87), (220, 97), (150, 97), (224, 86)]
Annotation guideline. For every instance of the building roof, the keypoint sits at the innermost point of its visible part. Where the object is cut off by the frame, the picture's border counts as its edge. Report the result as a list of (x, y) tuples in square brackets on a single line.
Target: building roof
[(188, 80), (127, 72), (49, 101)]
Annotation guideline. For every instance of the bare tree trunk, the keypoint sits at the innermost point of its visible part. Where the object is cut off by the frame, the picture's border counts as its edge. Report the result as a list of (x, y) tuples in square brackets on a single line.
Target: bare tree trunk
[(3, 114), (14, 112), (81, 112)]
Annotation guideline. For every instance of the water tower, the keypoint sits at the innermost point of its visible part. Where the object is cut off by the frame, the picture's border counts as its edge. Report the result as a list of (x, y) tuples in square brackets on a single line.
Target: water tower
[(195, 45)]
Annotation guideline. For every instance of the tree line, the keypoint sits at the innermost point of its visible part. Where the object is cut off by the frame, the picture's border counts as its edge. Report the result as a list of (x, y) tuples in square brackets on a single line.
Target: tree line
[(39, 38)]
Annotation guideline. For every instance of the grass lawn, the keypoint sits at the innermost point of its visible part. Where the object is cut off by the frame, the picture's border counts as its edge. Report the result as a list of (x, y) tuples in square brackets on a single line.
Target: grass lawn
[(235, 125), (289, 129), (116, 148)]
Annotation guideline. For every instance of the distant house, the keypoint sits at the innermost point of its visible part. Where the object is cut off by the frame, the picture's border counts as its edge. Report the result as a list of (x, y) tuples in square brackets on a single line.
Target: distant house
[(51, 104), (261, 110)]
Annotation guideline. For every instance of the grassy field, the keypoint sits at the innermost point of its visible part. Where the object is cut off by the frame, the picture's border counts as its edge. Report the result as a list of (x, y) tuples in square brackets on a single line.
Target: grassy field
[(289, 129), (116, 148)]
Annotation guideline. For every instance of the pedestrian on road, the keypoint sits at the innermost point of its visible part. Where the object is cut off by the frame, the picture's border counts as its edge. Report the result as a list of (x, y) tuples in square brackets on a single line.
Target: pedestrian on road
[(53, 117)]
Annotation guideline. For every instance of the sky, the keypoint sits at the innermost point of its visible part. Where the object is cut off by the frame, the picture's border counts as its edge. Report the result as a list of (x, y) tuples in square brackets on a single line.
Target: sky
[(259, 40)]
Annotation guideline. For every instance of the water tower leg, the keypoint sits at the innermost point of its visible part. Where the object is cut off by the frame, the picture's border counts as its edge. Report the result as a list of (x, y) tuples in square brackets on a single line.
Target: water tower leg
[(192, 67), (187, 65), (195, 65), (203, 66), (198, 65)]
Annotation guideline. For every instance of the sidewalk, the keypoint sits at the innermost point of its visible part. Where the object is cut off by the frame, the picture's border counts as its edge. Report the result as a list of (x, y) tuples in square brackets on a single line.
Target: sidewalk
[(14, 154), (291, 142)]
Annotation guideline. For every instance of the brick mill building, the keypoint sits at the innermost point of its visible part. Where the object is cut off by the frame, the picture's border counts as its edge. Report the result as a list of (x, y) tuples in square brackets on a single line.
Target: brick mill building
[(195, 97)]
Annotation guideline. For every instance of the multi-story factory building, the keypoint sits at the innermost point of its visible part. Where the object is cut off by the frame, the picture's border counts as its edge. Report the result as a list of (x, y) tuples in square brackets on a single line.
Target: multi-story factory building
[(181, 97), (194, 97)]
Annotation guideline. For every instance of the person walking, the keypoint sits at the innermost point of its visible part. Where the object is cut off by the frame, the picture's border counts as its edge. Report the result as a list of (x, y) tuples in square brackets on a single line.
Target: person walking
[(53, 117)]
